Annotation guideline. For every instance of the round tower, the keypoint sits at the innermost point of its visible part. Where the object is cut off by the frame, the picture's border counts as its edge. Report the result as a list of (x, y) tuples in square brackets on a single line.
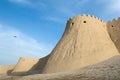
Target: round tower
[(84, 42), (113, 28)]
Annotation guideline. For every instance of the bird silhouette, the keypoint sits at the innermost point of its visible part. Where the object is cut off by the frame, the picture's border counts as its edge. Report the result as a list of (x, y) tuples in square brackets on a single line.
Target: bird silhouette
[(15, 36)]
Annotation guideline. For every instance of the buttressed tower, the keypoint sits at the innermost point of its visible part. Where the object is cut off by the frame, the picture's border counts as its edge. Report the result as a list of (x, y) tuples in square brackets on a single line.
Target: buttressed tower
[(85, 42)]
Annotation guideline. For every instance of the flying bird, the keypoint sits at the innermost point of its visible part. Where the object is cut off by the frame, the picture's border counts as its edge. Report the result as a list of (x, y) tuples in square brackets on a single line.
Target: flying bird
[(15, 36)]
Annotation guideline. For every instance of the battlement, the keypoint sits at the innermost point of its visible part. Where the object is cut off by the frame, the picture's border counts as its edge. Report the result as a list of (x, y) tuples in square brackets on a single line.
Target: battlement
[(114, 20), (114, 24), (85, 20), (84, 16)]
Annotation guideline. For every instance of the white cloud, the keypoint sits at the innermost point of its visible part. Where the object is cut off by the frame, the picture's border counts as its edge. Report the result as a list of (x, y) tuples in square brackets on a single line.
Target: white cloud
[(30, 3), (14, 44), (21, 1), (68, 8), (114, 6), (110, 6)]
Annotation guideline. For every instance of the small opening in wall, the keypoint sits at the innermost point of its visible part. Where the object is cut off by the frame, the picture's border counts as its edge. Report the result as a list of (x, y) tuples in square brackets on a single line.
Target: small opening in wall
[(112, 26), (84, 22), (72, 23)]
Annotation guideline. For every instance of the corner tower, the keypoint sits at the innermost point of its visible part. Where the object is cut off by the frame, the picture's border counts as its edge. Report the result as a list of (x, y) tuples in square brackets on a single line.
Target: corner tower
[(84, 42)]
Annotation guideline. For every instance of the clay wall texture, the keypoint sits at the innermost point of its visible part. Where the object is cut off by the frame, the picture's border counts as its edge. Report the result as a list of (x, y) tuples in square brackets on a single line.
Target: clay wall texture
[(6, 69), (114, 31), (85, 42)]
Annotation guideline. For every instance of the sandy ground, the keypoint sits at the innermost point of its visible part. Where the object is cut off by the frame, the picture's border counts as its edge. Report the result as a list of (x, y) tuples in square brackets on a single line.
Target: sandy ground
[(107, 70)]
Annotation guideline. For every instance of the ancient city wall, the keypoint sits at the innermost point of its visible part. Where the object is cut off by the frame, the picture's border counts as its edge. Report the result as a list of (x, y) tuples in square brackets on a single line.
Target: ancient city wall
[(25, 65), (113, 28), (84, 42), (87, 40), (6, 69)]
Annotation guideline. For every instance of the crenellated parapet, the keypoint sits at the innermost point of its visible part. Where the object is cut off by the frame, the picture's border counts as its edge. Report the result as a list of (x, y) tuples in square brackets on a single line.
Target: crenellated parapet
[(84, 16), (113, 25), (114, 22)]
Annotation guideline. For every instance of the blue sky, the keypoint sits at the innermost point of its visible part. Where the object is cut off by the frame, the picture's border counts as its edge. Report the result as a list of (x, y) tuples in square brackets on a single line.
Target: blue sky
[(39, 24)]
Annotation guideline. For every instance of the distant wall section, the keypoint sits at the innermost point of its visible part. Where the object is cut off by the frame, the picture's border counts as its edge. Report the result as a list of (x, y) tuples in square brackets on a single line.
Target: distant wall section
[(6, 69), (113, 28)]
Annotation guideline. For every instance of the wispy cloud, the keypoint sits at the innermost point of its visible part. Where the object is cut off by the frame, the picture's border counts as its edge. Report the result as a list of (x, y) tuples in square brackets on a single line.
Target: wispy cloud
[(64, 7), (114, 6), (110, 7), (30, 3), (21, 1), (54, 19), (69, 8), (54, 9), (14, 44)]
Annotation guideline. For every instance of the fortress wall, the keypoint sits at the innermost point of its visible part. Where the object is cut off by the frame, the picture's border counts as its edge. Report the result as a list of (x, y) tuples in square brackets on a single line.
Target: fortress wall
[(6, 69), (113, 28), (84, 42), (25, 65)]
